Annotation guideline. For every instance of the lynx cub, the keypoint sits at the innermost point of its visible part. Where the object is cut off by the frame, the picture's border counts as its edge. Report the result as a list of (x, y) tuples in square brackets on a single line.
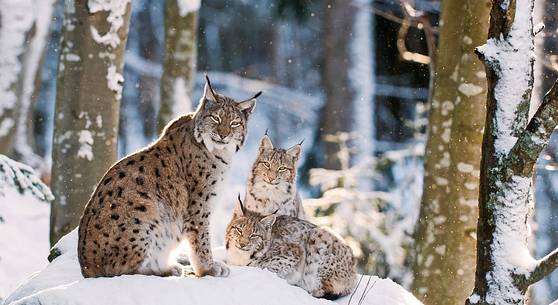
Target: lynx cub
[(303, 254), (272, 182), (150, 201)]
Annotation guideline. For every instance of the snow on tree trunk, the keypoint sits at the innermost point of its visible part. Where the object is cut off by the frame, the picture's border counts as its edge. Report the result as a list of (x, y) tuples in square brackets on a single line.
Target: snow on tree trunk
[(89, 90), (179, 67), (23, 35), (511, 145), (444, 238)]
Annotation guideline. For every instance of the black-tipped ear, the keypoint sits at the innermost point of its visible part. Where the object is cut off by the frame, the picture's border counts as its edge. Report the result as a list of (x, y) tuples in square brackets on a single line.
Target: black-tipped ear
[(248, 105), (208, 92), (294, 151), (239, 208), (241, 204)]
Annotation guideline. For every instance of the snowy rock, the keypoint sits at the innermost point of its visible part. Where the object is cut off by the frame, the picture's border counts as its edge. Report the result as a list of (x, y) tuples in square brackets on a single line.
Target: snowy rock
[(61, 283)]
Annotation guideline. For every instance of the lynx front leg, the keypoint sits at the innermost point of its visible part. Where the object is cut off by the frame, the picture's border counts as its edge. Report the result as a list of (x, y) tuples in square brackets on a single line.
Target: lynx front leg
[(286, 261), (200, 252)]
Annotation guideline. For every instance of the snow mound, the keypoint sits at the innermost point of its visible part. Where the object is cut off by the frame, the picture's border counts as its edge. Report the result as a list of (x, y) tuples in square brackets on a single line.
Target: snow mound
[(24, 216), (61, 283)]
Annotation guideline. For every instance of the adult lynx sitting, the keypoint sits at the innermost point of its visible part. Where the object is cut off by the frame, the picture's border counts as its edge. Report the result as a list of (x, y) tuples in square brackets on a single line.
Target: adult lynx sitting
[(303, 254), (150, 201), (272, 182)]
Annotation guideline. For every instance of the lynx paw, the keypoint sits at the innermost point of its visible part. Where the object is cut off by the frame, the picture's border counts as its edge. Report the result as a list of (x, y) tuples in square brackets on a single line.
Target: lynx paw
[(219, 269), (177, 270)]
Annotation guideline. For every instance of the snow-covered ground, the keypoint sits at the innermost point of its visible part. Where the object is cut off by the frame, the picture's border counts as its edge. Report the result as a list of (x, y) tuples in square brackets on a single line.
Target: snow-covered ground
[(24, 241), (62, 283), (24, 214)]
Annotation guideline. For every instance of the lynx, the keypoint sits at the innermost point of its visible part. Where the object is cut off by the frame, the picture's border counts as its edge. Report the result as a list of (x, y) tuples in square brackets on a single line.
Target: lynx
[(305, 255), (150, 201), (272, 182)]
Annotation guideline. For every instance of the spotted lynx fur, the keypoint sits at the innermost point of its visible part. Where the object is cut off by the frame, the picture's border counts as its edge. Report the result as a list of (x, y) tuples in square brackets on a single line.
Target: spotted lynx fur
[(272, 182), (152, 200), (305, 255)]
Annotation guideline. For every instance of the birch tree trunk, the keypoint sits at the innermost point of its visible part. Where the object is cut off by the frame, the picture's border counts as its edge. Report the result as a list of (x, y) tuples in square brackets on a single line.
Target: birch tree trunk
[(511, 146), (444, 240), (89, 90), (179, 66), (24, 31)]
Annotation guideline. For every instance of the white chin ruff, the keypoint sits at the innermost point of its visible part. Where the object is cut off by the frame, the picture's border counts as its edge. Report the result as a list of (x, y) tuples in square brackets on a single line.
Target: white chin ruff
[(237, 257), (212, 146)]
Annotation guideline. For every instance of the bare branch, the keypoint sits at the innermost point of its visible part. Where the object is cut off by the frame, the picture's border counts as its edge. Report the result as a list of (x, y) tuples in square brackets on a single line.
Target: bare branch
[(413, 16), (545, 267), (531, 142)]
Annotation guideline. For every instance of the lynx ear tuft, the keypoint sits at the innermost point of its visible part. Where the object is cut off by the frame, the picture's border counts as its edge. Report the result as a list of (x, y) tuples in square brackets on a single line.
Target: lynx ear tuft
[(239, 208), (208, 92)]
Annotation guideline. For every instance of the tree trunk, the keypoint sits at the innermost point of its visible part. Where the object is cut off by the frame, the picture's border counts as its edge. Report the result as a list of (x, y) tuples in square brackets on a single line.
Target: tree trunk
[(24, 31), (511, 146), (89, 89), (443, 266), (337, 113), (179, 66)]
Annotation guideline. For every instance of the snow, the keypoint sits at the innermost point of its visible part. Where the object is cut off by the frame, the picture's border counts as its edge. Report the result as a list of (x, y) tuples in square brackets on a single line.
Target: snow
[(24, 223), (24, 219), (116, 10), (61, 282), (512, 58), (188, 6), (114, 81), (85, 145), (469, 89)]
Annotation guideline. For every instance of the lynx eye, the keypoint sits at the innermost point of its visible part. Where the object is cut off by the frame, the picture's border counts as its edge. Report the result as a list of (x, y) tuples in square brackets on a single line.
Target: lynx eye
[(281, 169), (235, 124), (238, 231), (216, 119), (254, 236), (266, 164)]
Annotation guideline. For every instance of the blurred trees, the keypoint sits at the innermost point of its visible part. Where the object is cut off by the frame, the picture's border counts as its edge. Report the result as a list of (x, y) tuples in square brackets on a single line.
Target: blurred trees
[(24, 30), (179, 66), (89, 89), (445, 234), (546, 184)]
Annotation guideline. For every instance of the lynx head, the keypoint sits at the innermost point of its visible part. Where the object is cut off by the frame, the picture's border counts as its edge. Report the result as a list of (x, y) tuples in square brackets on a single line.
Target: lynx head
[(275, 165), (221, 122), (248, 235)]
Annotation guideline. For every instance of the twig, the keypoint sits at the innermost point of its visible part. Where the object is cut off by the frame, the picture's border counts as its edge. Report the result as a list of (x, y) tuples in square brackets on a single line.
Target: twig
[(354, 291)]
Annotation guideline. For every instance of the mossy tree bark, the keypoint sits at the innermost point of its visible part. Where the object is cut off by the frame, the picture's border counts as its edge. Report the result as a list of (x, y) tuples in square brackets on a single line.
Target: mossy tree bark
[(179, 66), (443, 262), (89, 89), (511, 146)]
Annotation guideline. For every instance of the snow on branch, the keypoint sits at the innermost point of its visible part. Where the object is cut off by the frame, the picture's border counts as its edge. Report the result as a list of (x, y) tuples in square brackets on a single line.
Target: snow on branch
[(544, 267), (23, 178), (534, 138)]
